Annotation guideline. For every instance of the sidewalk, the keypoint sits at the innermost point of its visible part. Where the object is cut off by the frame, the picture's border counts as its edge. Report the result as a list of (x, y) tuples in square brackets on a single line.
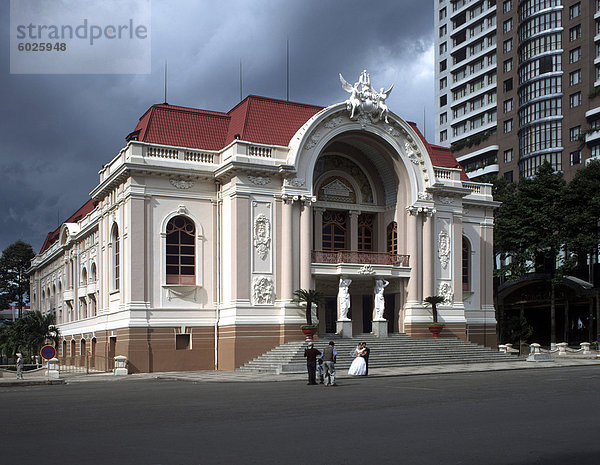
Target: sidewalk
[(211, 376)]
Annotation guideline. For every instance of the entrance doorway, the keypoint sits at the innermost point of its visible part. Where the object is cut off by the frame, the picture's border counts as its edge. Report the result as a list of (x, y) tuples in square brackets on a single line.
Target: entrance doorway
[(330, 314), (367, 313)]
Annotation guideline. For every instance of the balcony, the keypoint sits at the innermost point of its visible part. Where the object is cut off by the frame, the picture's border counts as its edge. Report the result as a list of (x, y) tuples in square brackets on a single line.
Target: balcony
[(358, 263)]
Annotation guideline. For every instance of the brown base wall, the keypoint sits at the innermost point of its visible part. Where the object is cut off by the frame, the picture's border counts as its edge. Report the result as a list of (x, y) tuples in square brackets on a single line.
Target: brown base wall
[(154, 349), (240, 344), (484, 335)]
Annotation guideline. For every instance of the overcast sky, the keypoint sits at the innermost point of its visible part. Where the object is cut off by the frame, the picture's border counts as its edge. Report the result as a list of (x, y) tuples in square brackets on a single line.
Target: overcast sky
[(57, 131)]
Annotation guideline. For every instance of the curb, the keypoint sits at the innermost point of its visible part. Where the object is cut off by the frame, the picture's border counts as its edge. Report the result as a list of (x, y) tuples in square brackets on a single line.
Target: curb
[(25, 383)]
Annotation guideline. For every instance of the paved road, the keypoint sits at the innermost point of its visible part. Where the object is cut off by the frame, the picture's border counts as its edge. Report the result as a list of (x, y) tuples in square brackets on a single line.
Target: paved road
[(522, 417)]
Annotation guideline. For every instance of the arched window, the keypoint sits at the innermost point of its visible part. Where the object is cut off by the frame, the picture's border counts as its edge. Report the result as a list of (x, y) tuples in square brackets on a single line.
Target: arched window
[(115, 258), (365, 231), (392, 238), (466, 264), (93, 272), (73, 348), (84, 276), (181, 251), (334, 230)]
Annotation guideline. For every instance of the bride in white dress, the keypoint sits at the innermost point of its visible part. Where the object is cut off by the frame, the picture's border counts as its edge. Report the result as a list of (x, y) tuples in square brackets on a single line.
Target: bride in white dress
[(358, 366)]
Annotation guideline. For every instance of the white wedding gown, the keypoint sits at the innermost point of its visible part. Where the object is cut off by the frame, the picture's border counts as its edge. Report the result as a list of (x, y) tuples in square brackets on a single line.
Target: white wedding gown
[(358, 366)]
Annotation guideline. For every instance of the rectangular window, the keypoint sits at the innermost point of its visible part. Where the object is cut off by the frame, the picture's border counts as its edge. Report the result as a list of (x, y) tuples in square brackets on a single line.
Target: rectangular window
[(443, 135), (507, 6), (508, 85), (575, 55), (576, 157), (443, 118), (574, 133), (443, 30), (508, 125), (443, 48), (507, 45), (443, 13), (508, 105), (507, 26), (443, 83), (575, 11), (575, 77), (182, 342), (575, 99), (443, 65), (508, 65), (508, 176), (443, 100), (508, 156), (575, 33)]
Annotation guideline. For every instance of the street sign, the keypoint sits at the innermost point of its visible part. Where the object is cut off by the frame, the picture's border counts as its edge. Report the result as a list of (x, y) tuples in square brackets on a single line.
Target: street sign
[(48, 352)]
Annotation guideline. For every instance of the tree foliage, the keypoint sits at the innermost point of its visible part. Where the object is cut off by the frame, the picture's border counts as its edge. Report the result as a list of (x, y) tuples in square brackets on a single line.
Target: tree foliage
[(529, 225), (29, 334), (14, 281), (434, 300), (309, 297)]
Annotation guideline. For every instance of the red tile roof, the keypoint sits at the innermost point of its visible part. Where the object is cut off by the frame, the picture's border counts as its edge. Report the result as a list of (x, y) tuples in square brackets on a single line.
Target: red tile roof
[(52, 236), (255, 119), (440, 156)]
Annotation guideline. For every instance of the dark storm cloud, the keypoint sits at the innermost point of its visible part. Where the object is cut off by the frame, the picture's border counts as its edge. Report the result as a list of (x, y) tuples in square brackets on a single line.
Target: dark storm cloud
[(57, 131)]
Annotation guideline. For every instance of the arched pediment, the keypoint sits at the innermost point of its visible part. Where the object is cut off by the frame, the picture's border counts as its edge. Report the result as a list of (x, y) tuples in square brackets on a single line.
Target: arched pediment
[(311, 139), (67, 232)]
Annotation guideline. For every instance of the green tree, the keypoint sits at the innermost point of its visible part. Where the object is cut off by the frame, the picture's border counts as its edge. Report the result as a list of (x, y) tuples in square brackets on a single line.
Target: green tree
[(14, 280), (582, 211), (29, 334), (309, 297), (530, 230), (434, 300)]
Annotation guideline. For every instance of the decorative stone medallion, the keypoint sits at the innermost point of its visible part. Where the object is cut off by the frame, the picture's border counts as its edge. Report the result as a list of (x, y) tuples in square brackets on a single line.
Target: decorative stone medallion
[(181, 183), (262, 235)]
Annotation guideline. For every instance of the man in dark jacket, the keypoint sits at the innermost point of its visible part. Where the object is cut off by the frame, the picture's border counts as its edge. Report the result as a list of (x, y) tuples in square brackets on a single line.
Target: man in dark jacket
[(366, 353), (329, 359), (311, 355)]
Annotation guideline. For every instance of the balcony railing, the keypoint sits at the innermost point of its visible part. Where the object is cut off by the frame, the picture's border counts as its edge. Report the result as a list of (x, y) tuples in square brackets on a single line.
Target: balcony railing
[(360, 257)]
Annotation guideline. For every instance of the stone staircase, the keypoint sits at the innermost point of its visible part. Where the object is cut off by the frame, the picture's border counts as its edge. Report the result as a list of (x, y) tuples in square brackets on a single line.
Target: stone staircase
[(397, 350)]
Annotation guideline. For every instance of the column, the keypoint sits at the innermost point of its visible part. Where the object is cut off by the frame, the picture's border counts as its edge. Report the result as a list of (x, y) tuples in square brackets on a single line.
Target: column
[(318, 227), (305, 244), (457, 259), (428, 270), (287, 262), (413, 252), (354, 230)]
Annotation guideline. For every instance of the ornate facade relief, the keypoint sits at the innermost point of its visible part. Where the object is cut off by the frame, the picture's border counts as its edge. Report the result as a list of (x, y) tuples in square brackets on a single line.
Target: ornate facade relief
[(262, 235), (262, 290), (259, 180), (294, 182), (444, 248), (366, 270), (445, 290), (181, 183)]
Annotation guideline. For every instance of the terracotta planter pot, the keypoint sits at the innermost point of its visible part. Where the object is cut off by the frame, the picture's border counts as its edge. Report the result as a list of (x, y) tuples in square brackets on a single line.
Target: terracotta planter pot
[(435, 331), (309, 332)]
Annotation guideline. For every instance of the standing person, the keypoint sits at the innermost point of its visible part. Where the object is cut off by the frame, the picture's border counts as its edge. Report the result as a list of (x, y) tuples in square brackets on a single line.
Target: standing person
[(19, 365), (358, 366), (366, 351), (329, 359), (311, 355)]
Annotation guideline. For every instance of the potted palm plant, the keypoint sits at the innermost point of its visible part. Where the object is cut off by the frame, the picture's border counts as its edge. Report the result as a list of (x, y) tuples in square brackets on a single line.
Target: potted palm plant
[(309, 297), (435, 328)]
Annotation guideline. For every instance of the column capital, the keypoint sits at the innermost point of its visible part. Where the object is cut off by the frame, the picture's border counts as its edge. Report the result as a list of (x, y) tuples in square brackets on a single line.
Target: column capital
[(421, 209)]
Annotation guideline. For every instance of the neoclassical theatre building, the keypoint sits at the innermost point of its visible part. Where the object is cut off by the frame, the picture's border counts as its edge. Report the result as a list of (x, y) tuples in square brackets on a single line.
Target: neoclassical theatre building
[(187, 255)]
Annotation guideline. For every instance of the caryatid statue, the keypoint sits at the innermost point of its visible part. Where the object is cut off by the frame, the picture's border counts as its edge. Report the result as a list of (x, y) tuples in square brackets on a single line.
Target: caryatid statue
[(380, 285), (344, 299)]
